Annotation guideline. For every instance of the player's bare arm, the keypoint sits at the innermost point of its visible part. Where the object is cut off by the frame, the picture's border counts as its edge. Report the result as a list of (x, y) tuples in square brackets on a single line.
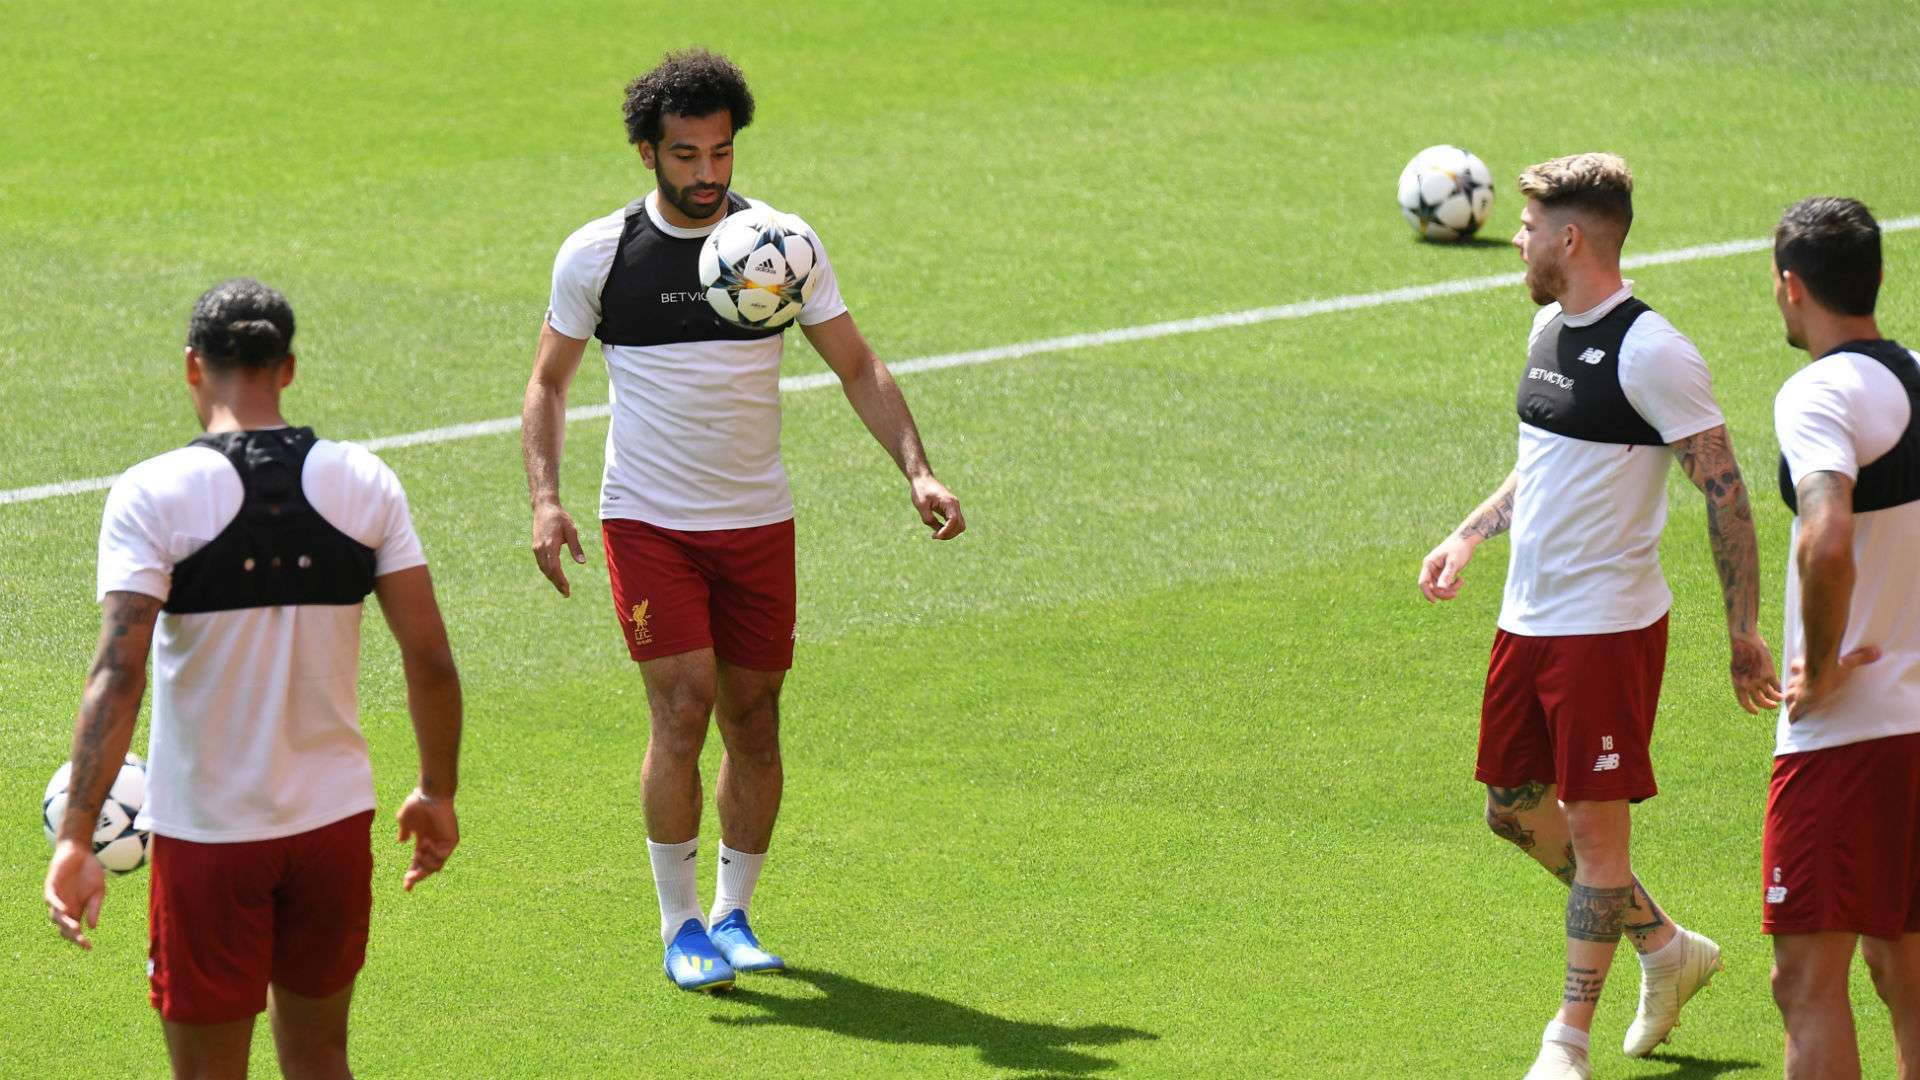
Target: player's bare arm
[(1707, 459), (543, 432), (876, 398), (1440, 571), (433, 698), (116, 681), (1825, 560)]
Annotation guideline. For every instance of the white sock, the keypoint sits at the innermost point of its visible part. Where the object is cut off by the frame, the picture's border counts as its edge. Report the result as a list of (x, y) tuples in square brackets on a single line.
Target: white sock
[(1670, 955), (734, 885), (1563, 1033), (674, 869)]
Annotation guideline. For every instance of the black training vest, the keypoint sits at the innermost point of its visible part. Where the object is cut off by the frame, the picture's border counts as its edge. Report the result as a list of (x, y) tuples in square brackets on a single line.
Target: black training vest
[(1571, 386), (277, 550), (1892, 479), (653, 294)]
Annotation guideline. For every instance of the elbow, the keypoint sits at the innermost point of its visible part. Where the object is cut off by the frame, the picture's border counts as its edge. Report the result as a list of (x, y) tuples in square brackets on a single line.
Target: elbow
[(1826, 558), (433, 669)]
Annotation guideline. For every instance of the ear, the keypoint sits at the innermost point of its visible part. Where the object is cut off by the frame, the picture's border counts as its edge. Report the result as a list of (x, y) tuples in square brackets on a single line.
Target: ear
[(647, 154), (286, 370), (1572, 237), (1794, 289), (195, 373)]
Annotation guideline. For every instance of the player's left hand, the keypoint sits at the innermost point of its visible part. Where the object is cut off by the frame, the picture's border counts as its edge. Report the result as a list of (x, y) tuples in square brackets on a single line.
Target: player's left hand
[(1806, 693), (938, 508), (76, 887), (1756, 685), (434, 829)]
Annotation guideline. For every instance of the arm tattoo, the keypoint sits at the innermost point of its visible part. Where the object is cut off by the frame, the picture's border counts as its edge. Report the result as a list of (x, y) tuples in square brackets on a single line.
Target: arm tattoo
[(1583, 986), (1493, 517), (1708, 461), (1595, 914), (106, 714)]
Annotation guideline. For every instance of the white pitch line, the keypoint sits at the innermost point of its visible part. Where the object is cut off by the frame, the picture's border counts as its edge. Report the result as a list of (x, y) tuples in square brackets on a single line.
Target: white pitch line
[(1147, 332)]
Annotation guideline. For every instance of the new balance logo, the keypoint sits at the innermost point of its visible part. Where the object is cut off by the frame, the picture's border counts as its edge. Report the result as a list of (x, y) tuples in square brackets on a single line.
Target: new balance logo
[(1593, 356), (1776, 894), (1606, 763)]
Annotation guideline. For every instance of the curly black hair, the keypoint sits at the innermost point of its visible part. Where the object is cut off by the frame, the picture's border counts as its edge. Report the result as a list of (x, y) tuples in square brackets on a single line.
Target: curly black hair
[(241, 323), (691, 82)]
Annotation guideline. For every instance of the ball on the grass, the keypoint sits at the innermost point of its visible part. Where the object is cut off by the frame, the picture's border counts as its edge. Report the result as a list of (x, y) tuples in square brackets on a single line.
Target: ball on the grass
[(1446, 193)]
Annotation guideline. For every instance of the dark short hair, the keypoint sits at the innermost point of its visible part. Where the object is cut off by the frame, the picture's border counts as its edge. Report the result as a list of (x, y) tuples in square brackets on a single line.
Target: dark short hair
[(1833, 246), (691, 82), (241, 323)]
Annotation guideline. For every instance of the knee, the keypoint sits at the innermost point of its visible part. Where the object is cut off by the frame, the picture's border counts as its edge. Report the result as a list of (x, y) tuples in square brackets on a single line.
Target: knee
[(1889, 981), (752, 732), (679, 730), (1798, 986)]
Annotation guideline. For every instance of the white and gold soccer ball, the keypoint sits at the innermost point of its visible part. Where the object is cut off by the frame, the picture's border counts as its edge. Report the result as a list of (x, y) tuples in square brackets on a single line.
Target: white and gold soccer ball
[(1446, 193), (119, 846), (757, 268)]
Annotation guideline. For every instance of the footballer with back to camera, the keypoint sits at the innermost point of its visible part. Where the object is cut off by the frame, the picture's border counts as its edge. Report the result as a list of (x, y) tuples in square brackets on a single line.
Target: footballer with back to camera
[(695, 512), (1611, 395), (241, 563)]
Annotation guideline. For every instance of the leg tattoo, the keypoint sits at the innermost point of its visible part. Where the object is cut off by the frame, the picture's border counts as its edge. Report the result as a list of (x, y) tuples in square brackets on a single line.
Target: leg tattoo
[(1639, 932), (1504, 807), (1596, 914), (1583, 986), (1565, 870)]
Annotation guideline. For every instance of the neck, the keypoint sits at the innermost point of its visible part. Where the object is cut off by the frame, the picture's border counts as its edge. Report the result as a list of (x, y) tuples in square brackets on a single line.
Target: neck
[(1587, 289), (1828, 332), (244, 412)]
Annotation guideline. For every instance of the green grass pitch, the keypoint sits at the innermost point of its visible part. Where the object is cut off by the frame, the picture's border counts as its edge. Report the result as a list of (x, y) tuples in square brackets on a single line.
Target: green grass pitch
[(1164, 770)]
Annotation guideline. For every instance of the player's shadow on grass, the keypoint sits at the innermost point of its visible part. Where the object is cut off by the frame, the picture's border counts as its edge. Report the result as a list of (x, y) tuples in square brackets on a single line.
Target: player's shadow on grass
[(859, 1010), (1688, 1067), (1477, 240)]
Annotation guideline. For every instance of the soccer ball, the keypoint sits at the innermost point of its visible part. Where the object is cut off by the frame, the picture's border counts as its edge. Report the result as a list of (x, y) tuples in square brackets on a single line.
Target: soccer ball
[(757, 267), (119, 846), (1445, 193)]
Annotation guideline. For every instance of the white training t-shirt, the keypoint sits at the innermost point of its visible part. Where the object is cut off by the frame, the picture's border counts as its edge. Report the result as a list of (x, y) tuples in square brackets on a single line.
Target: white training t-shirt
[(1587, 516), (256, 730), (695, 439), (1839, 413)]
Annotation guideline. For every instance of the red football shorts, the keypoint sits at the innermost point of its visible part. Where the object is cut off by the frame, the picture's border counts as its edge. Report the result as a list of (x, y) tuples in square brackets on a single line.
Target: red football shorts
[(728, 589), (1841, 847), (1576, 711), (224, 920)]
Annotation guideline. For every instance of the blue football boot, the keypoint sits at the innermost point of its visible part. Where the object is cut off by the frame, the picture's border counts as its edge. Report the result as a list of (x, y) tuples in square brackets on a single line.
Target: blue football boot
[(735, 940), (694, 964)]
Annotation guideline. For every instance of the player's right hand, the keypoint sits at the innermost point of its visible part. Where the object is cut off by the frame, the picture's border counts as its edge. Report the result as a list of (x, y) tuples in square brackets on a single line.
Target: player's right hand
[(76, 887), (1440, 572), (552, 530)]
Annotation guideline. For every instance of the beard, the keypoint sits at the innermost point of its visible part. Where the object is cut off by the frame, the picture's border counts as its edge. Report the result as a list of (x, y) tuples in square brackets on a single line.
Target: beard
[(1545, 281), (682, 199)]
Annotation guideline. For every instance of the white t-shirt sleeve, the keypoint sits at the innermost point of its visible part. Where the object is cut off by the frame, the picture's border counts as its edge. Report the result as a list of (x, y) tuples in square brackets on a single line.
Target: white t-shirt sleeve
[(1540, 320), (579, 274), (399, 546), (1666, 380), (352, 488), (1837, 414), (825, 303), (133, 543)]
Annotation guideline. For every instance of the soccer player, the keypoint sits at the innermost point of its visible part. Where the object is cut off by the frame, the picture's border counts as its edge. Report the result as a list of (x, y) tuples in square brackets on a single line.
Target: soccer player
[(695, 512), (1841, 854), (1611, 394), (241, 561)]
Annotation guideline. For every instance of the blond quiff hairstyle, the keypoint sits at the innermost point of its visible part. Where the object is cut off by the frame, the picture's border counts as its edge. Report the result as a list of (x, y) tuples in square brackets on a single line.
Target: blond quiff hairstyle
[(1596, 184)]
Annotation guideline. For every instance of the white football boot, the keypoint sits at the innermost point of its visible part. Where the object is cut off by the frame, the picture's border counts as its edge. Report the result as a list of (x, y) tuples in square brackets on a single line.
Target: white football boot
[(1558, 1061), (1663, 992)]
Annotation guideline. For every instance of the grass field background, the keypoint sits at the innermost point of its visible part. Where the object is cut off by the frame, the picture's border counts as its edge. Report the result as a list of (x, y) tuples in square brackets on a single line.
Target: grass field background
[(1162, 770)]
